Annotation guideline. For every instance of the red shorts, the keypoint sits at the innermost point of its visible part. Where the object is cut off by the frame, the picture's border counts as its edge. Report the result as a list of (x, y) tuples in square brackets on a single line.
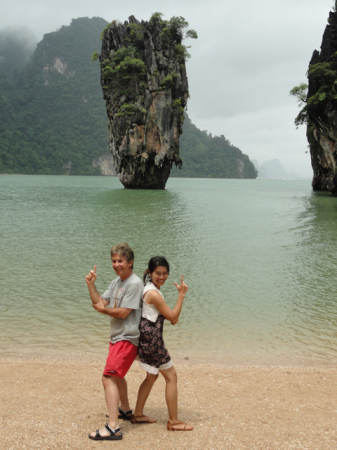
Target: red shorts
[(121, 356)]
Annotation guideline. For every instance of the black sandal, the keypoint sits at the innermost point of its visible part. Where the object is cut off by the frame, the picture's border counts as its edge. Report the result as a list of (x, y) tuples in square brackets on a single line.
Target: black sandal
[(125, 415), (113, 436)]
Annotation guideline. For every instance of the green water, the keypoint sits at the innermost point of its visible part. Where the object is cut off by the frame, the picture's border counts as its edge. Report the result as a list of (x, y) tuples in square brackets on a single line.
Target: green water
[(259, 257)]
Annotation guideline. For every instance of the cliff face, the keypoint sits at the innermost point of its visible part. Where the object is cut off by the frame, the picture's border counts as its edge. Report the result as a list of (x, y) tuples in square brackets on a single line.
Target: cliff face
[(143, 77), (322, 110)]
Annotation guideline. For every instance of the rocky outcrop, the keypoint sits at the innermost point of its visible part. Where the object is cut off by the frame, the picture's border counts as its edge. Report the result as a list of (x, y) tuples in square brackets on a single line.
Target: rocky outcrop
[(144, 82), (321, 110)]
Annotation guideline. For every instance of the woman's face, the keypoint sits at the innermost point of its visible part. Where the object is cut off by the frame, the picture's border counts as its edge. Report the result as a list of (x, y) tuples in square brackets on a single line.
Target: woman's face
[(159, 276)]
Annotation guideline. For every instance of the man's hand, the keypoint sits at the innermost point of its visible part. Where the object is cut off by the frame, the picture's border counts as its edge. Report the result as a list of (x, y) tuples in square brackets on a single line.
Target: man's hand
[(91, 277), (98, 306), (117, 313)]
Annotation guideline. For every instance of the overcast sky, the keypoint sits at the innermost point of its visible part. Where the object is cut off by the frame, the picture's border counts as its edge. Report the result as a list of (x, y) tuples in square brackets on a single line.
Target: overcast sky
[(248, 56)]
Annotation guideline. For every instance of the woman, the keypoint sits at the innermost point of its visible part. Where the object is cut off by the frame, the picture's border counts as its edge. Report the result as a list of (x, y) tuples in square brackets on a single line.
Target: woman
[(153, 356)]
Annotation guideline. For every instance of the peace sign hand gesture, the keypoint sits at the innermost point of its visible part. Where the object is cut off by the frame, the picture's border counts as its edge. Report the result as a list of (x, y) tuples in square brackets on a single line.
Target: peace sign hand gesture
[(91, 277), (182, 288)]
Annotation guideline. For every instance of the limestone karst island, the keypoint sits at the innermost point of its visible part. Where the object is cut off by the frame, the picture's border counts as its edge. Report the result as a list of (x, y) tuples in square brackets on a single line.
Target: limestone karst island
[(53, 119), (144, 82), (319, 111)]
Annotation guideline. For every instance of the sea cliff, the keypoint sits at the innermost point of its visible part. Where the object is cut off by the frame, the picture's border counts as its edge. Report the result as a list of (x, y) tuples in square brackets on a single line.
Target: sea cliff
[(144, 82), (320, 112)]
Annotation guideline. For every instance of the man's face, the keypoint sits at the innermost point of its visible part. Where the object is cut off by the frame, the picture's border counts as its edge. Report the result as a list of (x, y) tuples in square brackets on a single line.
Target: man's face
[(121, 266)]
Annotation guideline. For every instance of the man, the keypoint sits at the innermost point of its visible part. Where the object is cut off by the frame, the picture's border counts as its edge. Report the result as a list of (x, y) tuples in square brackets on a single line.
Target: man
[(122, 302)]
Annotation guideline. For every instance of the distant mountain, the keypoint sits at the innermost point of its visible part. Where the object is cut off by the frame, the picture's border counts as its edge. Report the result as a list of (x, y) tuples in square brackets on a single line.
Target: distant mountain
[(262, 172), (205, 156), (273, 169), (53, 118)]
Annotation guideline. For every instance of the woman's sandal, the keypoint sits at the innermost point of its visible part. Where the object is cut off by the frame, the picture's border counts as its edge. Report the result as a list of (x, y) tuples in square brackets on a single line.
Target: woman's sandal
[(170, 426), (142, 419), (125, 415), (113, 436)]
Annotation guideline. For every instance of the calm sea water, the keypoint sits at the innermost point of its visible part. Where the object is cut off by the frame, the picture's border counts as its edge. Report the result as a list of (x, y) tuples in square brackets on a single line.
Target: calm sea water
[(259, 257)]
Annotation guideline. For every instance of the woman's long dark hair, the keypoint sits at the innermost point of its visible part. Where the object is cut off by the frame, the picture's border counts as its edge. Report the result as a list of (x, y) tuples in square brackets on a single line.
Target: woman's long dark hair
[(155, 262)]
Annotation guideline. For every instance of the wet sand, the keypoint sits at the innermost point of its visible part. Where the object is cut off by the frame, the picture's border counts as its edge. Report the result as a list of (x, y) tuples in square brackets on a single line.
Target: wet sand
[(51, 403)]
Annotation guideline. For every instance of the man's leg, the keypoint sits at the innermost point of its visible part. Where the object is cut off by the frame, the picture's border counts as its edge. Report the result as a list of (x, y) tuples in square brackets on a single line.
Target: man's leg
[(112, 399), (129, 351), (121, 355), (123, 393), (110, 385)]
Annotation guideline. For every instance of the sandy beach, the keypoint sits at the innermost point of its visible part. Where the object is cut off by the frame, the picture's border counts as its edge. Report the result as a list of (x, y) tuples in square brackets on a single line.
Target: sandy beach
[(53, 403)]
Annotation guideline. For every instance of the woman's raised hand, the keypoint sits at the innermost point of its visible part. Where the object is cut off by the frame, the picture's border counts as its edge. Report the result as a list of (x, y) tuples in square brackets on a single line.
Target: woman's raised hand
[(182, 288), (91, 277)]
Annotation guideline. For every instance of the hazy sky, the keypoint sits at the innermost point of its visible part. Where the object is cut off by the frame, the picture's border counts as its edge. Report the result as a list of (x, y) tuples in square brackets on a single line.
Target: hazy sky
[(248, 56)]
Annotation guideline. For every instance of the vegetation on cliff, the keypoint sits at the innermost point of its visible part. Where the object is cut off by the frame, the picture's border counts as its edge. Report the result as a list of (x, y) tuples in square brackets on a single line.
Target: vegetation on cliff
[(207, 156), (53, 119), (318, 103)]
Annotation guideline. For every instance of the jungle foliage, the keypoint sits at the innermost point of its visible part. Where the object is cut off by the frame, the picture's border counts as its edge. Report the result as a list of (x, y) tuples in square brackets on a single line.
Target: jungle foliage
[(174, 31), (323, 75), (205, 156), (47, 118)]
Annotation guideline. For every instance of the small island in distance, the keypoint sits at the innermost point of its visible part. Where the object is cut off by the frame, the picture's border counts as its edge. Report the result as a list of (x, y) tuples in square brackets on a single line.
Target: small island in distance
[(273, 170)]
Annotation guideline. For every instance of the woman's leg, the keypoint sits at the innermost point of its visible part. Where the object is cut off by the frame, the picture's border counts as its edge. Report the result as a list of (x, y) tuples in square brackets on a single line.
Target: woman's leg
[(143, 394), (171, 394)]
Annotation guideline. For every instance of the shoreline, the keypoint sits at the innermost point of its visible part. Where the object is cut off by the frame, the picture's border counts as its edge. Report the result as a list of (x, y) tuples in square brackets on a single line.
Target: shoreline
[(54, 402), (191, 359)]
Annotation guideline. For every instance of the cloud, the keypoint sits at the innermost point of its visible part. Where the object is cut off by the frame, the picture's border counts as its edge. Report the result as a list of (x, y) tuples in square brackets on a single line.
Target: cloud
[(16, 46)]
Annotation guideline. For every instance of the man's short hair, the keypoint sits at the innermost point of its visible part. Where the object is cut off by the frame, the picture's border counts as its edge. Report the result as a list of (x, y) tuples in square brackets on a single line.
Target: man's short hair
[(125, 250)]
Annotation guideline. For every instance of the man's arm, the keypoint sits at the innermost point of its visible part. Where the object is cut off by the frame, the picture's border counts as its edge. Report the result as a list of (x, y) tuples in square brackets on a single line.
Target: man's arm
[(117, 313), (131, 300), (95, 297)]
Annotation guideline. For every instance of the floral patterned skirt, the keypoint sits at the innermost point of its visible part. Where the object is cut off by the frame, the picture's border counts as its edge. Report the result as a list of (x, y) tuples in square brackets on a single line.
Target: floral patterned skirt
[(152, 352)]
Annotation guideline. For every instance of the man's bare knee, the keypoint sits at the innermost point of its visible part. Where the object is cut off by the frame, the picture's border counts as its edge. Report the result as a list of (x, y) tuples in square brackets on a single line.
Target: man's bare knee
[(108, 380), (105, 380), (120, 381)]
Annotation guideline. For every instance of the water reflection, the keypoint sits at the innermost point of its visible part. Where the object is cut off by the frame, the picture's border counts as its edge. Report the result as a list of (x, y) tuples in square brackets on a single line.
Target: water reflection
[(312, 317), (54, 232), (259, 258)]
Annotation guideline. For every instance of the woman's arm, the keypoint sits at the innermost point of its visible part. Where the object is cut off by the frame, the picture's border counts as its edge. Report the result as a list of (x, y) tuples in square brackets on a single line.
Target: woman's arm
[(154, 298)]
